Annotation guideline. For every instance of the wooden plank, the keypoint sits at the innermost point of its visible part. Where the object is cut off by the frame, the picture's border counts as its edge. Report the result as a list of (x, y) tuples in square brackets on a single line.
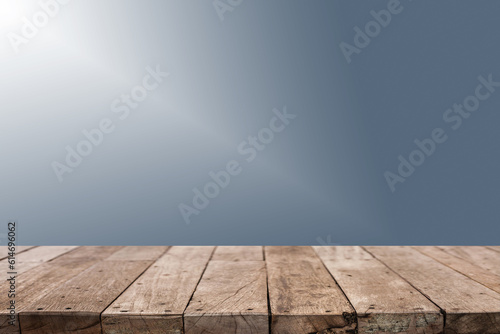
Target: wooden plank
[(138, 253), (480, 256), (495, 248), (77, 304), (155, 303), (470, 307), (238, 253), (384, 302), (43, 253), (486, 277), (19, 249), (39, 281), (35, 256), (303, 296), (230, 298), (188, 254), (289, 254)]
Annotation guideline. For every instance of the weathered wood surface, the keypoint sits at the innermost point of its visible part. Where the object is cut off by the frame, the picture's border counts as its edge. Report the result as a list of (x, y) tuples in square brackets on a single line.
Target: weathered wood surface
[(480, 256), (303, 296), (254, 289), (495, 248), (238, 253), (39, 281), (76, 305), (18, 249), (470, 306), (138, 253), (385, 303), (34, 256), (156, 302), (230, 298), (481, 268)]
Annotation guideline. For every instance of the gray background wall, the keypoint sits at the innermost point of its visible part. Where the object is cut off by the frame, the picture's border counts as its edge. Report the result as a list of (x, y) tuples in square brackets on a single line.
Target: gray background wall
[(320, 181)]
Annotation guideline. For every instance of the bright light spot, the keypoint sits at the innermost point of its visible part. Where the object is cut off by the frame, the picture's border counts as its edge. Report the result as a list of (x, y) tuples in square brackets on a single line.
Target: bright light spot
[(11, 13)]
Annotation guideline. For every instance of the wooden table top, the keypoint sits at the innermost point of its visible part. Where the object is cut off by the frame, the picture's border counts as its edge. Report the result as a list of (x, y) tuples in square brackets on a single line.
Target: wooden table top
[(253, 289)]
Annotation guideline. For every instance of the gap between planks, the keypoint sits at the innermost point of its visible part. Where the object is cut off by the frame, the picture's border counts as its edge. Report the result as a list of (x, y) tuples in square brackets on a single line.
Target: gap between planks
[(469, 306), (385, 302), (156, 301), (77, 304), (297, 262)]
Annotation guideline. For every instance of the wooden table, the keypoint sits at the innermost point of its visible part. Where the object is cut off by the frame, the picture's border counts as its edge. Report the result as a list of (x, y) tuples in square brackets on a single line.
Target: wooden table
[(254, 289)]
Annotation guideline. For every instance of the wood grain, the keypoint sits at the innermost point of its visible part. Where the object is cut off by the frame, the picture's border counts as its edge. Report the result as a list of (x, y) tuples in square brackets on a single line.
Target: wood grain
[(189, 253), (155, 303), (477, 255), (19, 249), (303, 296), (470, 307), (75, 306), (138, 253), (384, 302), (35, 256), (495, 248), (191, 289), (289, 254), (487, 277), (36, 283), (230, 298), (238, 253)]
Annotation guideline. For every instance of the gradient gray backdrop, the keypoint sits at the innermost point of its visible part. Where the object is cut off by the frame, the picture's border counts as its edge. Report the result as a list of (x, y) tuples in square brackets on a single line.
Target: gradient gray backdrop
[(321, 179)]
